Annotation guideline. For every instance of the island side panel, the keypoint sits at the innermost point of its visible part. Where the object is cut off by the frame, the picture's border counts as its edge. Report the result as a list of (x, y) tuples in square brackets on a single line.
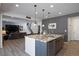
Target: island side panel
[(40, 48), (30, 46)]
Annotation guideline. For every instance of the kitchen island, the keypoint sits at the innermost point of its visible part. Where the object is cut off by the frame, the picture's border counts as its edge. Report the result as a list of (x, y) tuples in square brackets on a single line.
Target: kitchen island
[(43, 45)]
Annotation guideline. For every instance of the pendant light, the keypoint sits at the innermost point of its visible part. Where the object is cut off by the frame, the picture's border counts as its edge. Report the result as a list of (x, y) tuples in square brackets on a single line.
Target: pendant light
[(43, 16), (35, 15)]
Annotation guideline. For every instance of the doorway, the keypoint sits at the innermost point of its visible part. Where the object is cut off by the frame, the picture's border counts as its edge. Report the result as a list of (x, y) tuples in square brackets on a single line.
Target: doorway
[(73, 28)]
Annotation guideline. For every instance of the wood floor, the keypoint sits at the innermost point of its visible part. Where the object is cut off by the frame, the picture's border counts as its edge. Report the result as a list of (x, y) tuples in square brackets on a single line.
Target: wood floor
[(18, 49), (11, 49), (70, 48)]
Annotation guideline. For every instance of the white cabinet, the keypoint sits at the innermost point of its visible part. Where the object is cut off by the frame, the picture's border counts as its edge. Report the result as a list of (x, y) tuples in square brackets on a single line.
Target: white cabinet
[(30, 46)]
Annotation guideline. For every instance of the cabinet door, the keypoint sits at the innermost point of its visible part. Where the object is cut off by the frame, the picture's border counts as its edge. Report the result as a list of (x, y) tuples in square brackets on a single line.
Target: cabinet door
[(40, 48), (59, 42), (51, 48)]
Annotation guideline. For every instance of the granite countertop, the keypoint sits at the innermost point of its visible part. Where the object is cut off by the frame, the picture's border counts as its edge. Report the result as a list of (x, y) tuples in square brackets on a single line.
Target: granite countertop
[(45, 38)]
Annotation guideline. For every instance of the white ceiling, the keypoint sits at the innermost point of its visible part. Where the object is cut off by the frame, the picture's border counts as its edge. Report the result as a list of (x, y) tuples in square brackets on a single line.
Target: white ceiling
[(27, 9)]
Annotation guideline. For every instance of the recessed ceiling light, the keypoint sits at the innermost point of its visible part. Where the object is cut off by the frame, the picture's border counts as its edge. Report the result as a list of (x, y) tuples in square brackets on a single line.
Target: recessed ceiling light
[(51, 6), (17, 5), (60, 13)]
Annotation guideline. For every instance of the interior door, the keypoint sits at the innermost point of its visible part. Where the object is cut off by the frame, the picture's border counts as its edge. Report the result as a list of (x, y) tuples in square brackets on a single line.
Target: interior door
[(76, 28), (73, 28), (70, 29)]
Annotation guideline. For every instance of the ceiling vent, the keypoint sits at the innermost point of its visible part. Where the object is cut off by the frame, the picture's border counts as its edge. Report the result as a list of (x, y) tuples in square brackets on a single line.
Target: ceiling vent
[(28, 17)]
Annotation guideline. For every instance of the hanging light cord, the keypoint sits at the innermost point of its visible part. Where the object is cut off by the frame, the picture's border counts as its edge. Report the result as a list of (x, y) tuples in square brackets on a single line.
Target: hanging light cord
[(49, 14), (35, 13), (43, 12), (43, 16)]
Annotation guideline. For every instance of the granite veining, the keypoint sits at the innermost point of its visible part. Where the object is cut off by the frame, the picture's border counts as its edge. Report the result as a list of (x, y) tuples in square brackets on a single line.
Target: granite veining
[(45, 38)]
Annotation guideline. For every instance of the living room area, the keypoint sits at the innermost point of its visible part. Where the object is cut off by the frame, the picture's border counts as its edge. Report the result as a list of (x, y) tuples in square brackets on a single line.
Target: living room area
[(15, 28), (11, 30)]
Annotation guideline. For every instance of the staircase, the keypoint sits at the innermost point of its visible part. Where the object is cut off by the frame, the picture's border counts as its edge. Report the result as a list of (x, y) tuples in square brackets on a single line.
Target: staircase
[(29, 27)]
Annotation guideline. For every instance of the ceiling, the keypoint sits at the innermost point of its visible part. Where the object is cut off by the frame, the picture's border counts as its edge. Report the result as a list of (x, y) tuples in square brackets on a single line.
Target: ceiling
[(27, 9)]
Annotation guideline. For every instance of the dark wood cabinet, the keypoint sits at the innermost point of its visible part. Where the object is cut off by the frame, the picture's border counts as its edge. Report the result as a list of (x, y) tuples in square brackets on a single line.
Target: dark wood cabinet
[(59, 44), (54, 46), (50, 48)]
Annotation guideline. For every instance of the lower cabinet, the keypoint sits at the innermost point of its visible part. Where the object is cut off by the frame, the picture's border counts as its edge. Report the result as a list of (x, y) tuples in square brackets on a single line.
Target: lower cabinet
[(59, 44), (30, 46), (50, 48), (39, 48)]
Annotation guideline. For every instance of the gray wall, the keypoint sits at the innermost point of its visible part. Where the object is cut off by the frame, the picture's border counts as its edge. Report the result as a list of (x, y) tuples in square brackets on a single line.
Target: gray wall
[(61, 25)]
